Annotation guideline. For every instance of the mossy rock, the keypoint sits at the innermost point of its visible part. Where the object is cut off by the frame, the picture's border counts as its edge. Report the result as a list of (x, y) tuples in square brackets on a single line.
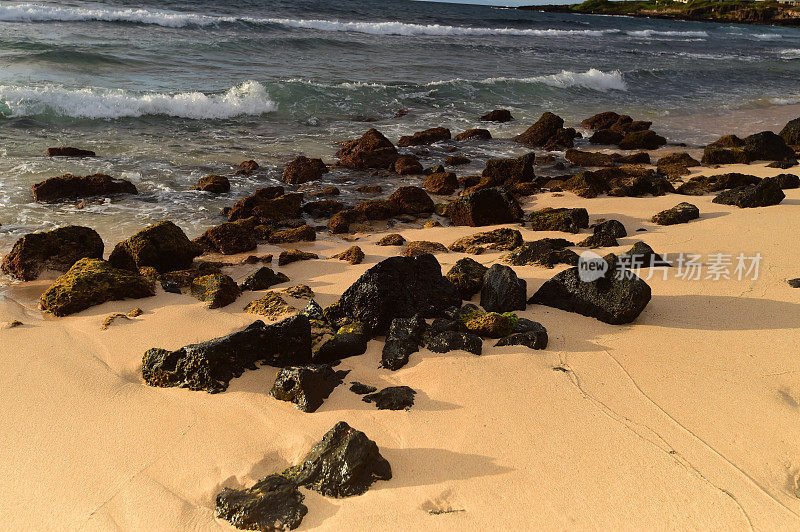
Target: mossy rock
[(563, 219), (467, 275), (91, 282), (163, 246), (473, 319), (218, 289), (272, 305), (263, 278)]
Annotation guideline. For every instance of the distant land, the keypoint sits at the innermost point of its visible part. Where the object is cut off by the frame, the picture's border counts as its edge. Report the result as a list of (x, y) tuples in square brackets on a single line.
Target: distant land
[(733, 11)]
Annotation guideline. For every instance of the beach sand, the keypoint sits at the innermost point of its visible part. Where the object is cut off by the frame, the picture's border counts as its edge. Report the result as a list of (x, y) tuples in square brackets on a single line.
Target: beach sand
[(686, 418)]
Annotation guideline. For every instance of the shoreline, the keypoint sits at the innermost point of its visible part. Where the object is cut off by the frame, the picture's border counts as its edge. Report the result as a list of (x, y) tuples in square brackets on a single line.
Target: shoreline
[(691, 405)]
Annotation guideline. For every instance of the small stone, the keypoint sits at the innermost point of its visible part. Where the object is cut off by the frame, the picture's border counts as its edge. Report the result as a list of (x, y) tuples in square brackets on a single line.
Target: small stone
[(679, 214), (263, 278), (393, 239), (353, 255), (110, 319), (299, 291), (271, 305), (135, 312), (13, 324), (361, 389), (794, 283), (392, 398), (294, 255), (420, 247), (306, 386)]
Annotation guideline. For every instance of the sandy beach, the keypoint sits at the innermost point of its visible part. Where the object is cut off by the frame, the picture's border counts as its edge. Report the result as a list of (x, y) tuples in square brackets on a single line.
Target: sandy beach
[(686, 418)]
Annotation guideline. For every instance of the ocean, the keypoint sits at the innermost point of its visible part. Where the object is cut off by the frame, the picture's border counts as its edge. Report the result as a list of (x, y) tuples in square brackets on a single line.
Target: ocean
[(166, 92)]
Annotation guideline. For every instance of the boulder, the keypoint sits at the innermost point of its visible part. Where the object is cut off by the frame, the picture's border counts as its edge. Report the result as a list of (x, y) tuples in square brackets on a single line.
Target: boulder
[(562, 219), (67, 151), (404, 338), (407, 165), (392, 239), (447, 341), (164, 246), (764, 146), (588, 158), (601, 120), (587, 184), (323, 208), (70, 187), (498, 115), (474, 134), (606, 136), (613, 298), (343, 464), (216, 184), (548, 132), (475, 320), (676, 164), (299, 291), (545, 252), (263, 278), (359, 388), (212, 364), (302, 170), (641, 256), (509, 171), (783, 165), (679, 214), (763, 194), (306, 386), (787, 181), (372, 150), (490, 206), (443, 184), (421, 247), (268, 204), (699, 185), (55, 250), (272, 503), (502, 290), (272, 306), (642, 140), (457, 160), (612, 227), (217, 289), (502, 239), (353, 255), (304, 233), (293, 255), (91, 282), (369, 189), (411, 200), (599, 240), (791, 132), (428, 136), (392, 398), (528, 333), (467, 276), (399, 287), (229, 238), (246, 167)]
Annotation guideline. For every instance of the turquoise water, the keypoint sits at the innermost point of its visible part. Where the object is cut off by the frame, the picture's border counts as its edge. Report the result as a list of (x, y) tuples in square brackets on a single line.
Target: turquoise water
[(169, 91)]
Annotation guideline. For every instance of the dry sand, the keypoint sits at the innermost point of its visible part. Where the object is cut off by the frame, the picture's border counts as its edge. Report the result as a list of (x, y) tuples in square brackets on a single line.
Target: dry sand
[(687, 418)]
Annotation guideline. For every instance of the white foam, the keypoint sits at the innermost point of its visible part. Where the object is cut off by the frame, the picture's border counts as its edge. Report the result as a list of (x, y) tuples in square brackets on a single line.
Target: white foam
[(766, 36), (249, 98), (659, 33), (47, 13), (790, 53), (785, 101), (591, 79)]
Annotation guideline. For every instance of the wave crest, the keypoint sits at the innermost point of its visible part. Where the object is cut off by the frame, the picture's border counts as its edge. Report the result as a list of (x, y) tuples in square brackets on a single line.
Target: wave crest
[(249, 98)]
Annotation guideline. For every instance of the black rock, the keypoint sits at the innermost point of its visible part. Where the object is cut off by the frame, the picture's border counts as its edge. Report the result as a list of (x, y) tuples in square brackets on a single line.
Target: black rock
[(613, 298), (447, 341), (467, 275), (642, 256), (529, 333), (263, 278), (794, 283), (502, 290), (767, 192), (489, 206), (343, 464), (361, 389), (170, 286), (679, 214), (787, 181), (783, 165), (392, 398), (405, 337), (612, 227), (399, 287), (273, 503), (349, 340), (212, 364), (545, 252), (306, 386), (599, 240)]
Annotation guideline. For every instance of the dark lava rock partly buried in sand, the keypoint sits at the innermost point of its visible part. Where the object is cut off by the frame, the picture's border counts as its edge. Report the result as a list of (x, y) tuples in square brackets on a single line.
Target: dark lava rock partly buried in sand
[(91, 282), (679, 214), (55, 250), (70, 186), (399, 287), (502, 239), (529, 333), (404, 338), (353, 255), (489, 206), (361, 389), (787, 181), (447, 341), (610, 299), (475, 320), (599, 240), (263, 278), (392, 398), (467, 275), (545, 252), (164, 246), (612, 227), (273, 503), (767, 192), (306, 386), (216, 184), (420, 247), (700, 185), (217, 289), (502, 290), (764, 146), (333, 341), (343, 464), (392, 239), (791, 132), (643, 256), (212, 364), (229, 238), (562, 219)]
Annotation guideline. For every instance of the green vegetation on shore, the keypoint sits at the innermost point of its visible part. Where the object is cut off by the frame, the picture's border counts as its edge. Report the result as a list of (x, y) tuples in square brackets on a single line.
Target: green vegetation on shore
[(738, 11)]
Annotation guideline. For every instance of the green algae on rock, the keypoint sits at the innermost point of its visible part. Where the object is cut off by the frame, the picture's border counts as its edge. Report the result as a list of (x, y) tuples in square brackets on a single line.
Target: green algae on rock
[(218, 289), (467, 275), (271, 305), (91, 282), (163, 246)]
